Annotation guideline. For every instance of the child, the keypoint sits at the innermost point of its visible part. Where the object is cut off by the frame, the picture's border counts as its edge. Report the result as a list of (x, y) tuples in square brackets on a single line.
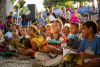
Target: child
[(90, 45), (73, 36), (66, 29), (1, 41), (14, 41), (55, 43), (48, 30)]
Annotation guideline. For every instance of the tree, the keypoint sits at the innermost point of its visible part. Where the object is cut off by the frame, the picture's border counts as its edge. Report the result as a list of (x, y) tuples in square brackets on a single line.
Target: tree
[(54, 3)]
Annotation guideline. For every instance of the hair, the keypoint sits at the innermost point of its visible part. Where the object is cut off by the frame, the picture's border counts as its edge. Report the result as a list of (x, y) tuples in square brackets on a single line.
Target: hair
[(75, 8), (98, 21), (58, 21), (9, 17), (23, 28), (62, 7), (92, 24), (75, 24), (34, 29)]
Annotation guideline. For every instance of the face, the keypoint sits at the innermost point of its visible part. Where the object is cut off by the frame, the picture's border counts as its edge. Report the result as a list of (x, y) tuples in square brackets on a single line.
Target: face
[(23, 32), (56, 28), (75, 10), (73, 29), (15, 33), (31, 31), (14, 20), (11, 20), (48, 30), (64, 9), (85, 31), (66, 29)]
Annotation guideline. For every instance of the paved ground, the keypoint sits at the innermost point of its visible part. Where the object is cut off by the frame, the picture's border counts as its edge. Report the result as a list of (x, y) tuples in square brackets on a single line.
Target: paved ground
[(14, 62)]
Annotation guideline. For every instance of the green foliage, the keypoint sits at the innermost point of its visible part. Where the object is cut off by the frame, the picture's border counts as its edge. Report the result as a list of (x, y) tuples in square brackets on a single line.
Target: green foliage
[(24, 10), (54, 3), (12, 1), (58, 3), (0, 1)]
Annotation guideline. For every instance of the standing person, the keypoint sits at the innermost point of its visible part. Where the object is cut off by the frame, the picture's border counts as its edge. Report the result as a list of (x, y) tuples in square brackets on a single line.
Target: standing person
[(75, 18), (40, 19), (53, 50), (51, 15), (65, 15), (24, 20), (8, 23), (90, 45)]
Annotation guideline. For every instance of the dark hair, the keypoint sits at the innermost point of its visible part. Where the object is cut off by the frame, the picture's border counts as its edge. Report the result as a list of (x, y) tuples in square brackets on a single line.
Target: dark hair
[(92, 24), (98, 21), (9, 17), (75, 8), (75, 24)]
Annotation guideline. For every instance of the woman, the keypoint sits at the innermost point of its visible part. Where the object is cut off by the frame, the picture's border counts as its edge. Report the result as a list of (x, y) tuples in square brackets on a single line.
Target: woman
[(75, 16), (90, 45)]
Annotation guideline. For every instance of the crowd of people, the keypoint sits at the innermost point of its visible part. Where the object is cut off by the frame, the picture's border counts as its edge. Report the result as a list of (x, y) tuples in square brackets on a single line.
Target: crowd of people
[(47, 42)]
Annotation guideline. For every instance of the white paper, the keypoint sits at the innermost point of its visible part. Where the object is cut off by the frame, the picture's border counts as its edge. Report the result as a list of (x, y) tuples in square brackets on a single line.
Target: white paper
[(67, 51)]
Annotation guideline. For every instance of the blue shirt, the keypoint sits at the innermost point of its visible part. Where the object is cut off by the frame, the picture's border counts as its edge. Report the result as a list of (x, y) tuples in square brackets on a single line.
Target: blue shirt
[(94, 45)]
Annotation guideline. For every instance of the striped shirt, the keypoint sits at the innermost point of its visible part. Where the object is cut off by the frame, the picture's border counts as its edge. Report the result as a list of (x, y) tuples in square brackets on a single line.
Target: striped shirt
[(60, 42)]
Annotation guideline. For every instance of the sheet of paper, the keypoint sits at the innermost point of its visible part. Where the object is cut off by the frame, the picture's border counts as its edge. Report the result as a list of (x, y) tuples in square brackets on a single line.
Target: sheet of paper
[(67, 51)]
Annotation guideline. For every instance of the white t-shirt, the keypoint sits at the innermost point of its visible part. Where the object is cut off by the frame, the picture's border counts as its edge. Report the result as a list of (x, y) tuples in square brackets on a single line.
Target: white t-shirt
[(51, 18), (8, 34)]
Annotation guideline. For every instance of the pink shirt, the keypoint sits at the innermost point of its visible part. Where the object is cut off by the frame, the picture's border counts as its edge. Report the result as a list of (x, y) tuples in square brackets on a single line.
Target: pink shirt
[(74, 19)]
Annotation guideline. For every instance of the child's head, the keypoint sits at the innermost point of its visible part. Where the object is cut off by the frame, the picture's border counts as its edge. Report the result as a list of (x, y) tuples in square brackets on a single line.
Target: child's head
[(48, 29), (15, 33), (57, 26), (66, 29), (32, 30), (63, 9), (74, 28), (75, 10), (23, 31), (88, 28), (10, 19)]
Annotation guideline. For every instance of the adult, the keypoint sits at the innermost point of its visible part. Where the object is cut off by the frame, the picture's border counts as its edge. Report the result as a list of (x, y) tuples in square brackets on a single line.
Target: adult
[(65, 15), (75, 17), (51, 15)]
